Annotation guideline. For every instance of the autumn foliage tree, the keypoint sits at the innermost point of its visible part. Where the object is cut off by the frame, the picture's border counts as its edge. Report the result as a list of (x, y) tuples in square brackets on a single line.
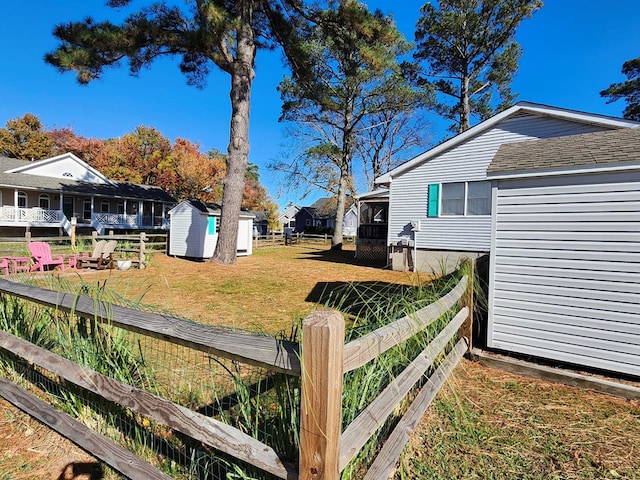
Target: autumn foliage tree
[(26, 139), (134, 157), (65, 140), (187, 173)]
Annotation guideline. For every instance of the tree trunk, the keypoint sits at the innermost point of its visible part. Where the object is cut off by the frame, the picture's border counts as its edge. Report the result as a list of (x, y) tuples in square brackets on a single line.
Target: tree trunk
[(242, 75), (465, 108), (336, 240)]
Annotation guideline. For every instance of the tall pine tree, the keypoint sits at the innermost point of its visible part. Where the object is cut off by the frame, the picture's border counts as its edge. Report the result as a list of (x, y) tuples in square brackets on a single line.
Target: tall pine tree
[(628, 90), (205, 33), (468, 51)]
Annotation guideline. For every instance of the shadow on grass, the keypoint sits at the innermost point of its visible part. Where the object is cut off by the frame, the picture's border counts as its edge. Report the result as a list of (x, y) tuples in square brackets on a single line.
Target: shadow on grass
[(349, 297), (85, 470), (342, 256)]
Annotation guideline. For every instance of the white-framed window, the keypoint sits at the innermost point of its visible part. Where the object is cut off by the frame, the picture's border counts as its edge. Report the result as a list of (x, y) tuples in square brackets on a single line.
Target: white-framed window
[(452, 200), (459, 198), (22, 199), (120, 208), (104, 206), (478, 198), (308, 222), (43, 201)]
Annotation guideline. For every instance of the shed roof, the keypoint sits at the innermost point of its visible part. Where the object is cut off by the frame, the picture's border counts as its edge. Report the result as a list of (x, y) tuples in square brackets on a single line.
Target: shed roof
[(210, 209), (621, 146)]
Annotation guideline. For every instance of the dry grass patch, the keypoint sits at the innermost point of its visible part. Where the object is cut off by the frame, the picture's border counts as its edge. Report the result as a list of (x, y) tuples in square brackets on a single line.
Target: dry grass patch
[(485, 424), (491, 424)]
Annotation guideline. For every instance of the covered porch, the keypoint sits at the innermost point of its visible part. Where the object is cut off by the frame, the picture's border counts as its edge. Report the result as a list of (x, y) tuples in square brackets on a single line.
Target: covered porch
[(28, 209), (373, 225)]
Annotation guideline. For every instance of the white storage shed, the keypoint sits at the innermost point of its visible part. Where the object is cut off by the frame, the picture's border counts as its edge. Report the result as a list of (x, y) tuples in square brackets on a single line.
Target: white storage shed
[(194, 230), (565, 250)]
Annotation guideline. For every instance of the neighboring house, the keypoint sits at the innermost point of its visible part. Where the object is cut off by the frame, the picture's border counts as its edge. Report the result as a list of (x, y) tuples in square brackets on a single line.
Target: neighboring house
[(260, 222), (195, 227), (319, 217), (44, 196), (440, 201), (564, 274), (350, 222), (287, 219)]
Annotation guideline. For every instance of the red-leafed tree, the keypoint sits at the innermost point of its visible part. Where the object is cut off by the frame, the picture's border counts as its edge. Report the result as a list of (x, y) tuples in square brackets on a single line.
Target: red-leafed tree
[(65, 140)]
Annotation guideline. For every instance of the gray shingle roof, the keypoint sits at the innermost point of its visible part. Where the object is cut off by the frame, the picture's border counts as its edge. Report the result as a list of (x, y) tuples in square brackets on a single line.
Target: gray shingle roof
[(49, 184), (606, 147)]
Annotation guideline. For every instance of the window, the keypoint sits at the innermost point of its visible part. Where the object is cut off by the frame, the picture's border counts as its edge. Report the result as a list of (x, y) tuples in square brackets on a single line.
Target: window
[(479, 198), (308, 222), (22, 200), (43, 201), (104, 206), (459, 198), (86, 209), (120, 208), (453, 198)]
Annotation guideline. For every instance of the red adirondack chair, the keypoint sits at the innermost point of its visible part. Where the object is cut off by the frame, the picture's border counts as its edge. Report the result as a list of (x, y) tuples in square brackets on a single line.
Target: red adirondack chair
[(41, 252)]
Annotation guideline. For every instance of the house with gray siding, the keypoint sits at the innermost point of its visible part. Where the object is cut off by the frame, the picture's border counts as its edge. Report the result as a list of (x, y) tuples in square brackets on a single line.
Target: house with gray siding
[(564, 274), (440, 202)]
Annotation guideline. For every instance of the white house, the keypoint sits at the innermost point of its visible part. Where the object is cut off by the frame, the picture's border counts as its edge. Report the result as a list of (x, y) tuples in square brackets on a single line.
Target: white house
[(350, 222), (287, 219), (45, 195), (564, 274), (440, 201), (195, 226)]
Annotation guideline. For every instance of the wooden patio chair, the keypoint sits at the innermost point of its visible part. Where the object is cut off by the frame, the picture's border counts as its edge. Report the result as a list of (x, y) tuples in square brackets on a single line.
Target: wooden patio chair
[(101, 257), (42, 257)]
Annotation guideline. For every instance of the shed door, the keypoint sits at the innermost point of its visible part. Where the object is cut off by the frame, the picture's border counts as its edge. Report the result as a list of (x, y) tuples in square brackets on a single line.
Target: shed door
[(565, 270)]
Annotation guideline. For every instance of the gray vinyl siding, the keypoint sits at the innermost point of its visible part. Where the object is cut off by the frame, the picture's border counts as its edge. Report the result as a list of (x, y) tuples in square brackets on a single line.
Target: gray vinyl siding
[(465, 162), (565, 269)]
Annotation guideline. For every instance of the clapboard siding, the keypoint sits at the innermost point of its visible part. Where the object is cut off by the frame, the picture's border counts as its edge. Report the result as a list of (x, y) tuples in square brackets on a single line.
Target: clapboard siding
[(565, 269), (467, 161), (509, 306)]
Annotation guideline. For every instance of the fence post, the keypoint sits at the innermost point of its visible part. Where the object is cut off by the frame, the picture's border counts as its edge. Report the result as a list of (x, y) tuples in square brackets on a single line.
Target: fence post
[(141, 258), (321, 409), (467, 301)]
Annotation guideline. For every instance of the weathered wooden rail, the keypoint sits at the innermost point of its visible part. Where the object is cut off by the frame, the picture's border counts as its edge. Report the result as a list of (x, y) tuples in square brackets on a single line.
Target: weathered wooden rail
[(325, 448), (133, 246)]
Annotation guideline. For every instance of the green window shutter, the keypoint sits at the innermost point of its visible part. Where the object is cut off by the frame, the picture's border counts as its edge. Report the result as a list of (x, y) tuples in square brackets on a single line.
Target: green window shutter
[(433, 202), (211, 230)]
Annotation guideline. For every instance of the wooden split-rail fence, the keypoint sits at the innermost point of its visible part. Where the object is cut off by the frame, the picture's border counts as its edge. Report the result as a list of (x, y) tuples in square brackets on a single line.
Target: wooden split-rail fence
[(325, 447)]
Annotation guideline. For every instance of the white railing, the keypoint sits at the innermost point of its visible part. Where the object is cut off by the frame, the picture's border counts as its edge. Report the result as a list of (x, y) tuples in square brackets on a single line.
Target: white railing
[(117, 219), (32, 215)]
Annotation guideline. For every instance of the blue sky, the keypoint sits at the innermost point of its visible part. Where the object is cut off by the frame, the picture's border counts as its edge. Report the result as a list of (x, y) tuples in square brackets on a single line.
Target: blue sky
[(572, 49)]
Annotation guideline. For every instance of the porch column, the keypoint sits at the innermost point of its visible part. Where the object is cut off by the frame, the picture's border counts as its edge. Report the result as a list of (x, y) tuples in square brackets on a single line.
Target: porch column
[(15, 204), (140, 207), (60, 203)]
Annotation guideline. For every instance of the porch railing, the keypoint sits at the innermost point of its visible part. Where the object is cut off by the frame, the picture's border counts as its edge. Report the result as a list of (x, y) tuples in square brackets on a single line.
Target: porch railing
[(39, 215), (130, 220)]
